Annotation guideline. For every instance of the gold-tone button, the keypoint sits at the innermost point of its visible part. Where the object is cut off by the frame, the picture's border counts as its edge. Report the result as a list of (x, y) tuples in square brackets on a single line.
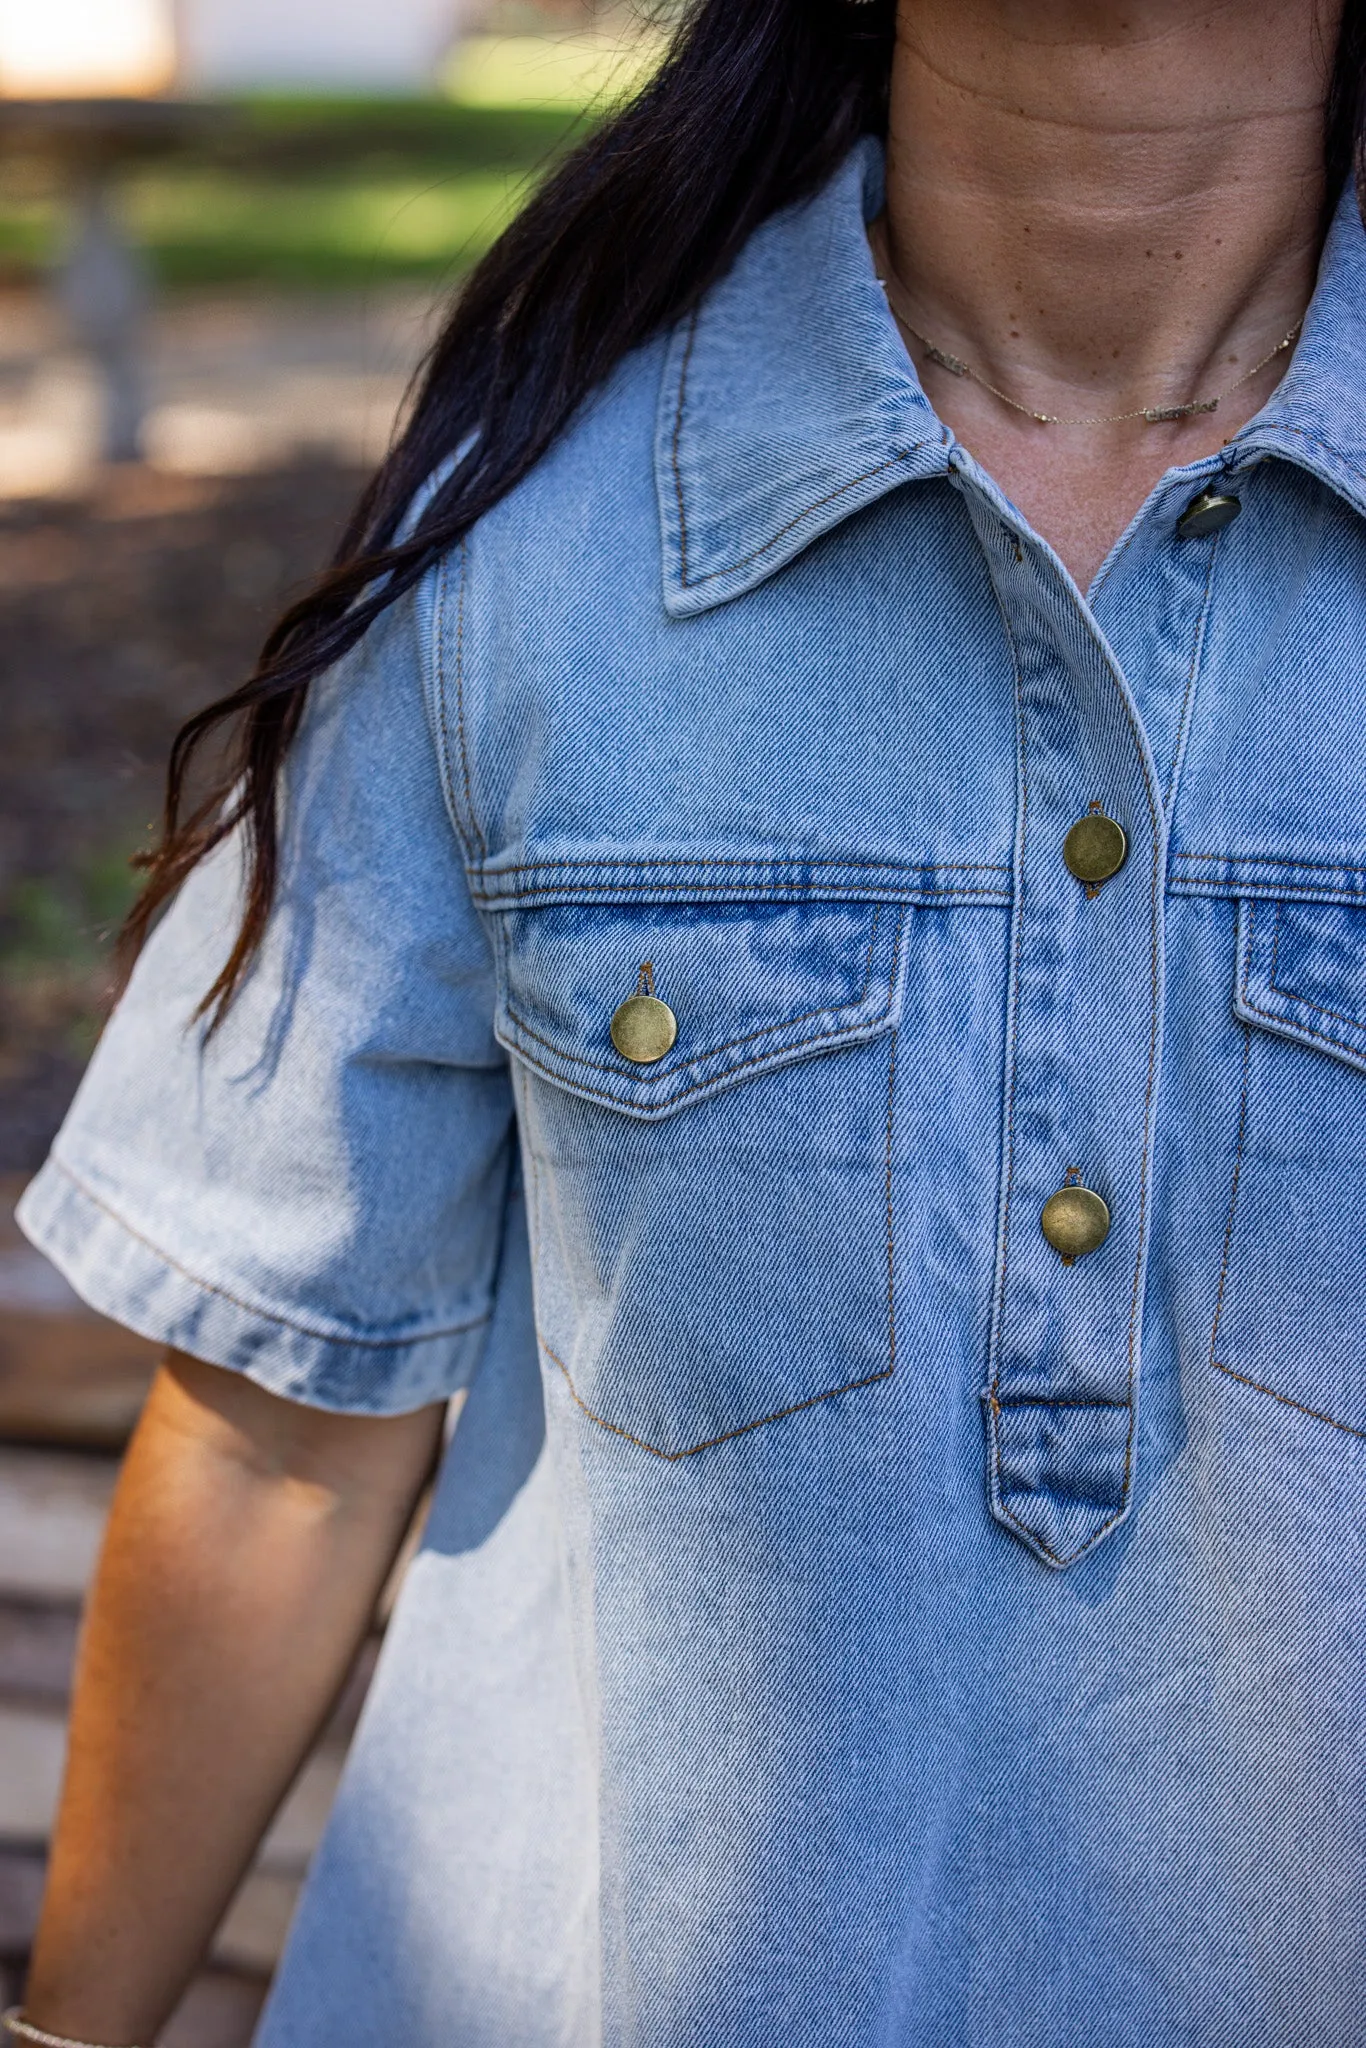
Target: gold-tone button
[(643, 1028), (1075, 1221), (1095, 848), (1209, 513)]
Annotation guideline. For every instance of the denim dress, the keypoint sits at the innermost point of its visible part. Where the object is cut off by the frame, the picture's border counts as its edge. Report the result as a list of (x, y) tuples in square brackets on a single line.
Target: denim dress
[(853, 1614)]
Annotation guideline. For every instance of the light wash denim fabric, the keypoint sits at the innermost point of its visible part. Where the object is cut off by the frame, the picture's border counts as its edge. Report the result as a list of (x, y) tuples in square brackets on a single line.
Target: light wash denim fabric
[(840, 1624)]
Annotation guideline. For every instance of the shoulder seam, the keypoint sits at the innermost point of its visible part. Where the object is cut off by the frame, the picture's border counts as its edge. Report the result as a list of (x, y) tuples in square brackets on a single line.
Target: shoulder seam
[(449, 684)]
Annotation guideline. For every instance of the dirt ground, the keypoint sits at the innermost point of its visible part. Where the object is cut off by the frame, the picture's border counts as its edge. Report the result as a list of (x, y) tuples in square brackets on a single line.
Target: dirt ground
[(121, 611)]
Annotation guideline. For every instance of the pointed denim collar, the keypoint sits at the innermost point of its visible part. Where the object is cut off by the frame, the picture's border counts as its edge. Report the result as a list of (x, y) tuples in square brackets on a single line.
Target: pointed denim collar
[(1316, 417), (789, 403)]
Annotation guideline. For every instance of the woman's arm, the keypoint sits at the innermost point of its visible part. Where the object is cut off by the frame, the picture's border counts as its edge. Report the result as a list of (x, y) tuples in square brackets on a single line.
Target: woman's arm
[(249, 1540)]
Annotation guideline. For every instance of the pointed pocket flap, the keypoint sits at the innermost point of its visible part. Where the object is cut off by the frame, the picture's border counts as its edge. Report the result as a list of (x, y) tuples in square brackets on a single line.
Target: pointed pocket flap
[(751, 986), (1302, 973)]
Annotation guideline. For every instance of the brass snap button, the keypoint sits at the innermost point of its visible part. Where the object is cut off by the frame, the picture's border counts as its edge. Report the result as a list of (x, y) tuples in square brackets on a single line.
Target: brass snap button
[(1209, 513), (1095, 848), (1075, 1221), (643, 1028)]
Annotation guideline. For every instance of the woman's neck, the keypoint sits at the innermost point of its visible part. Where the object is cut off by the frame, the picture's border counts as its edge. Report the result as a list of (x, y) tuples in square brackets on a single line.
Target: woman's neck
[(1102, 206)]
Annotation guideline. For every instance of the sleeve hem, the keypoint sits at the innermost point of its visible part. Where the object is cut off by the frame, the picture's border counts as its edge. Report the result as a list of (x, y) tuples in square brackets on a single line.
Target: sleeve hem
[(120, 1274)]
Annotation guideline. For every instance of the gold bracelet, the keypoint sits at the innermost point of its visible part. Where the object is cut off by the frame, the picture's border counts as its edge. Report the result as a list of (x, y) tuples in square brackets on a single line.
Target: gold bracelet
[(14, 2023)]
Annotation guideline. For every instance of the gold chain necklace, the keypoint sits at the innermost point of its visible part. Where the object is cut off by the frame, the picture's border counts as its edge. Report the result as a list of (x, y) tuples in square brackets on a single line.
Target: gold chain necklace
[(1155, 415)]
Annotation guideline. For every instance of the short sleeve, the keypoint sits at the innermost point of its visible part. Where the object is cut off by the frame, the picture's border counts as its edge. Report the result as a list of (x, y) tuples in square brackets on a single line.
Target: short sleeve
[(312, 1194)]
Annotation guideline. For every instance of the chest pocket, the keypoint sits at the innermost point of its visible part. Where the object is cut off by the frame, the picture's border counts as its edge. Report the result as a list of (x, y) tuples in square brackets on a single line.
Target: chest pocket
[(1292, 1313), (711, 1227)]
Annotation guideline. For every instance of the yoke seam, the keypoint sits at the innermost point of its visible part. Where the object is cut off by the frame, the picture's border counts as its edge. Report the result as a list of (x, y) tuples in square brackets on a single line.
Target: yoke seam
[(971, 867), (1273, 860), (783, 892)]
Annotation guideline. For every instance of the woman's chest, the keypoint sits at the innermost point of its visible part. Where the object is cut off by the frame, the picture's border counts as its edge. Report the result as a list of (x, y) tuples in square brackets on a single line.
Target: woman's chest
[(823, 831)]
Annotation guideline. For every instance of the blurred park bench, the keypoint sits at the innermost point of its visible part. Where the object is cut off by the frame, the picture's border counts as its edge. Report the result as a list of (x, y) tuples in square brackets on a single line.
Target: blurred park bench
[(107, 197)]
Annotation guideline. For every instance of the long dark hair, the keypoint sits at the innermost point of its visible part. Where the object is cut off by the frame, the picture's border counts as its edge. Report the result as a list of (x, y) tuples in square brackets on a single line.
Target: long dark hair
[(754, 107)]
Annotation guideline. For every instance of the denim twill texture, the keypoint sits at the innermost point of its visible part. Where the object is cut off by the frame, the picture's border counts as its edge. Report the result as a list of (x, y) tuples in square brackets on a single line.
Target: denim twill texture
[(839, 1622)]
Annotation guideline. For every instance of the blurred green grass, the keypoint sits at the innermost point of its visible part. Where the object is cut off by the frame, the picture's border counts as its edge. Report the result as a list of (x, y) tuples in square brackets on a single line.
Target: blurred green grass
[(207, 227), (57, 931), (315, 192), (67, 923), (578, 71)]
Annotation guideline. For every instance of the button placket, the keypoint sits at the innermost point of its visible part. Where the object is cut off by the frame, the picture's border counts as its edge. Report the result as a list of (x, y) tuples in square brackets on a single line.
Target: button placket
[(1081, 1067)]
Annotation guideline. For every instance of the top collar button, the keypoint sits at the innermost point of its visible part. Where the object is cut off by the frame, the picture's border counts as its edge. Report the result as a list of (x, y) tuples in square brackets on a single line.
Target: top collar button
[(1209, 513)]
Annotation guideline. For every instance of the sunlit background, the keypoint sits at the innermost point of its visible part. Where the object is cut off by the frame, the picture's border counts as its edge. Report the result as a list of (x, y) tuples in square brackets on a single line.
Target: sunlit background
[(86, 46), (224, 228)]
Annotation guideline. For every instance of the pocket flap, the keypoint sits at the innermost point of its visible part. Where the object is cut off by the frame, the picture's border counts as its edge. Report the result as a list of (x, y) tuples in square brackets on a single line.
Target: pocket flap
[(753, 986), (1302, 973)]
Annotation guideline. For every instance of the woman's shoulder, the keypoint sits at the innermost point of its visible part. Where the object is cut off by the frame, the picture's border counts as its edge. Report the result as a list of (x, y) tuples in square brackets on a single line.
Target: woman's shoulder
[(596, 480)]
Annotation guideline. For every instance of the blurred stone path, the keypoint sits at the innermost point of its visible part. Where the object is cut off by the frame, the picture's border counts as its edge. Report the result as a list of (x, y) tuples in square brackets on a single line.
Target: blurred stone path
[(238, 381)]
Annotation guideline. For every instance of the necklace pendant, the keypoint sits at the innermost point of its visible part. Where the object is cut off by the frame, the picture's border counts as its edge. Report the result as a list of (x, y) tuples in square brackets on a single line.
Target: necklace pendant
[(953, 364), (1155, 415)]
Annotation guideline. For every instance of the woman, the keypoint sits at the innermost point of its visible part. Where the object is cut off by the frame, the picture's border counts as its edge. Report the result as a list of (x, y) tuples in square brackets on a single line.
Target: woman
[(896, 1578)]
